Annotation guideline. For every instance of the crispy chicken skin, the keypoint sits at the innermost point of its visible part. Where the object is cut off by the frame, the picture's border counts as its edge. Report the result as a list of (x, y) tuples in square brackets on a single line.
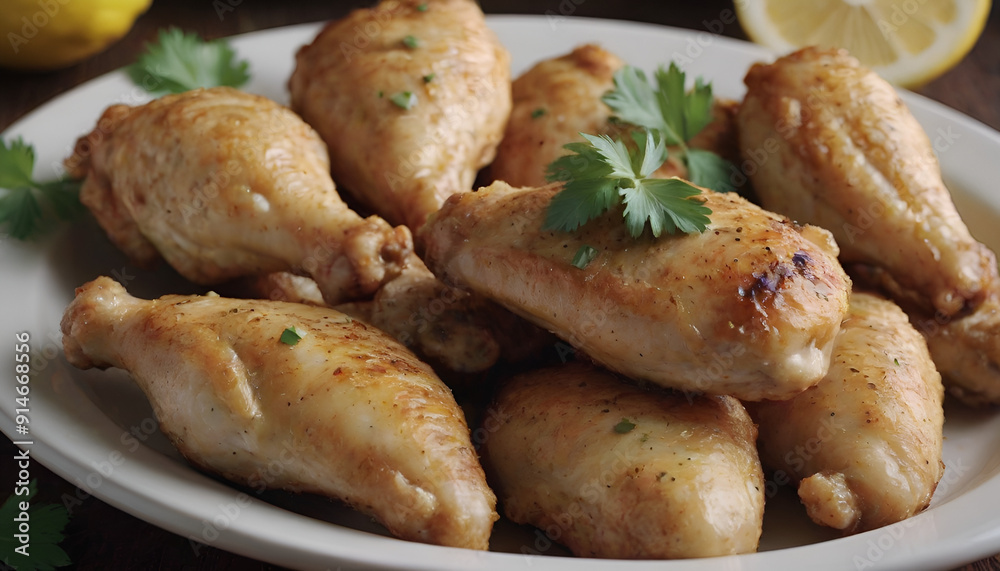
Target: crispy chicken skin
[(685, 481), (967, 352), (832, 144), (403, 163), (755, 296), (364, 420), (865, 443), (560, 98), (223, 184)]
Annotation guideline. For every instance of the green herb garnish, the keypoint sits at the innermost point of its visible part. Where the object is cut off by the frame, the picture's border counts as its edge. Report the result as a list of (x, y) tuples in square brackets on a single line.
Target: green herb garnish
[(421, 7), (584, 256), (46, 523), (604, 172), (180, 62), (538, 112), (404, 99), (411, 42), (674, 114), (429, 78), (25, 204), (624, 426), (292, 335)]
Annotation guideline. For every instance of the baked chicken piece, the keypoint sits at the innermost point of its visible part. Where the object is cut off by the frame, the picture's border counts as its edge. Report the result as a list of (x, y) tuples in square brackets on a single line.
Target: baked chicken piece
[(560, 98), (223, 184), (410, 111), (755, 297), (368, 423), (966, 351), (832, 144), (612, 470), (865, 443)]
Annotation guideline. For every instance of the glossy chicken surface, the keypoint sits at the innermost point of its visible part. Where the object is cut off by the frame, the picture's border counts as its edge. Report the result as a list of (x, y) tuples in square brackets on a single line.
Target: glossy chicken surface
[(366, 421), (612, 470), (865, 443), (224, 184), (832, 144), (756, 297), (560, 98), (436, 57), (966, 351)]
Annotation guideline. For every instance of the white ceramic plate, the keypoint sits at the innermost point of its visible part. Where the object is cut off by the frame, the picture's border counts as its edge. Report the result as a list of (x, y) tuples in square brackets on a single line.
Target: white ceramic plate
[(95, 428)]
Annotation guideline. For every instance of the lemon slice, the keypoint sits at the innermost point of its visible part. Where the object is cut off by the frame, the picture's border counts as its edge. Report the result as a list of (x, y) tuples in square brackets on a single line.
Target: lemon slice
[(907, 42)]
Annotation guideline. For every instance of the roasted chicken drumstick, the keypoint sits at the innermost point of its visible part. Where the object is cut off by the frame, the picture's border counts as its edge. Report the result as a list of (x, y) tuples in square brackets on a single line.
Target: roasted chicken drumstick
[(224, 184), (410, 112), (832, 144), (369, 423)]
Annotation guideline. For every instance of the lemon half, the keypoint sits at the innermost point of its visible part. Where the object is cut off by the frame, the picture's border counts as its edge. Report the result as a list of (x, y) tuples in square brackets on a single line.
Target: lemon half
[(907, 42)]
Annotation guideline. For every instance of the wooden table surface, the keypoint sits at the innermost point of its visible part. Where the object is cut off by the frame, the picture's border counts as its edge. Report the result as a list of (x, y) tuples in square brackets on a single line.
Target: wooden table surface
[(102, 537)]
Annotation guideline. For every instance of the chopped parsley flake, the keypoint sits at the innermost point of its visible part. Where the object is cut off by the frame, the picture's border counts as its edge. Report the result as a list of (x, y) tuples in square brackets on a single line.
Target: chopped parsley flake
[(410, 42), (404, 99), (584, 256), (625, 426), (292, 335), (538, 112), (429, 78)]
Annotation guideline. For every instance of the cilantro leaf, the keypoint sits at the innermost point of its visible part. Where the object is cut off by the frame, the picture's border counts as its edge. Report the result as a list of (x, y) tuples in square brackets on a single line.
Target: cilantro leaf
[(604, 171), (180, 62), (26, 205), (674, 114), (46, 531)]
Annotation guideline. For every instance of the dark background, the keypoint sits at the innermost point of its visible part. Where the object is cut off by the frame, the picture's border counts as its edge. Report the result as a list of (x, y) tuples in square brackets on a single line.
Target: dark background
[(102, 537)]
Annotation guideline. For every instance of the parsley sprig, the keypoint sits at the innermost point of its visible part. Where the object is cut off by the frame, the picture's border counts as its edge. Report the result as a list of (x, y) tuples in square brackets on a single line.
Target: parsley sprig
[(605, 171), (675, 114), (27, 206), (180, 62), (47, 523)]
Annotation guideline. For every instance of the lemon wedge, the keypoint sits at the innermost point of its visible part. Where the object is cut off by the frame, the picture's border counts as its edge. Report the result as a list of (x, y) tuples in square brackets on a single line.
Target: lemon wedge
[(50, 34), (907, 42)]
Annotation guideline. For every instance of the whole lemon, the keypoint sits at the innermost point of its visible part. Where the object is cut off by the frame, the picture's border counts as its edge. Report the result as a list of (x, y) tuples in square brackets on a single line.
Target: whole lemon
[(49, 34)]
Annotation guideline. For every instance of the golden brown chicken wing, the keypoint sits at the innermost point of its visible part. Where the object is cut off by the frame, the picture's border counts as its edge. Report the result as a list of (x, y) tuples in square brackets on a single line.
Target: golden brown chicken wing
[(828, 142), (865, 443), (224, 184), (366, 421), (755, 297), (411, 96), (612, 470)]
